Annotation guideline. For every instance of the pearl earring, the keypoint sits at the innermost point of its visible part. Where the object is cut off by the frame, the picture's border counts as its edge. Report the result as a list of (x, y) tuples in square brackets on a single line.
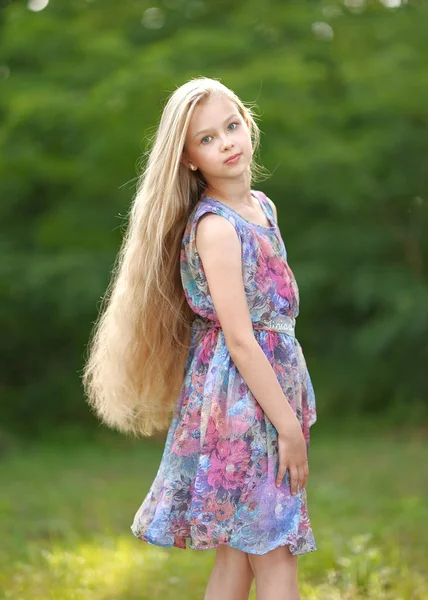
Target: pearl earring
[(193, 167)]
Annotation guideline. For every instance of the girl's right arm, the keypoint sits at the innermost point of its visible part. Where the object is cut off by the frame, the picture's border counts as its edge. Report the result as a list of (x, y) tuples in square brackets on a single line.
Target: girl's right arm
[(220, 251)]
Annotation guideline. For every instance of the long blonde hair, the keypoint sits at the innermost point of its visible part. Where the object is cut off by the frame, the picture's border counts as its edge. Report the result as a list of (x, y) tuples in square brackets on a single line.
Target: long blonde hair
[(141, 339)]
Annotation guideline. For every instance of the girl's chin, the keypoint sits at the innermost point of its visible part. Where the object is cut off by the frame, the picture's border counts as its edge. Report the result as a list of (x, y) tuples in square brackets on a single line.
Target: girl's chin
[(240, 168)]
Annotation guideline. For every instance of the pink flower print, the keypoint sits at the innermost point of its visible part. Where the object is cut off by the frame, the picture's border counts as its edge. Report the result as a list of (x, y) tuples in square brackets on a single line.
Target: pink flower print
[(211, 436), (259, 412), (276, 268), (241, 415), (266, 248), (211, 504), (262, 278), (205, 353), (256, 477), (187, 436), (217, 413), (280, 276), (224, 512), (180, 526), (243, 388), (228, 464), (207, 518), (272, 341)]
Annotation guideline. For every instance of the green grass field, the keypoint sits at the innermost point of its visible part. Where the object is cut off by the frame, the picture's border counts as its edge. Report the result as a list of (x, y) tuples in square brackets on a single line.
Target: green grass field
[(66, 507)]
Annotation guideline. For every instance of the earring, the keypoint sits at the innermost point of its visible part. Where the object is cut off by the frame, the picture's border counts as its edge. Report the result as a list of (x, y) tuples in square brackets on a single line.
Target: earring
[(193, 167)]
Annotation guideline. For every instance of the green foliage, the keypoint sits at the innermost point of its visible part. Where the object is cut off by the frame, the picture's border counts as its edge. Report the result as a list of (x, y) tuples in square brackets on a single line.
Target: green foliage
[(342, 93)]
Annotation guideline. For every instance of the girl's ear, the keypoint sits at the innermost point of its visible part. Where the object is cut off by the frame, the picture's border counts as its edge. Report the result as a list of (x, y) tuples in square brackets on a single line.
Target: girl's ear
[(184, 160), (187, 163)]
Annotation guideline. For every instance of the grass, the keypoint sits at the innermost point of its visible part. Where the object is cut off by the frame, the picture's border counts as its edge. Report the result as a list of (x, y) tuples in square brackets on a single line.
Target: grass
[(66, 506)]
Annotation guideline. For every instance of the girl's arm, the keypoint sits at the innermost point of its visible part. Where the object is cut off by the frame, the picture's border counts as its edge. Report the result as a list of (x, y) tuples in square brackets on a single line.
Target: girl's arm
[(220, 251)]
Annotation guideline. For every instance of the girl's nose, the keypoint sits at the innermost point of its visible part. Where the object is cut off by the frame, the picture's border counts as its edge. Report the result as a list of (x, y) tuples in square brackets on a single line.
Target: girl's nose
[(227, 144)]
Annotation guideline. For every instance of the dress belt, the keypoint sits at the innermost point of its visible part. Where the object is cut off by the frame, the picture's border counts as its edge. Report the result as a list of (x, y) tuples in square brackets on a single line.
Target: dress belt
[(280, 323)]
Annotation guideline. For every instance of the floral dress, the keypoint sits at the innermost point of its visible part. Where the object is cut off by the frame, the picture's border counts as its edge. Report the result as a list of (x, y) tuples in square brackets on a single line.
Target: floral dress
[(216, 480)]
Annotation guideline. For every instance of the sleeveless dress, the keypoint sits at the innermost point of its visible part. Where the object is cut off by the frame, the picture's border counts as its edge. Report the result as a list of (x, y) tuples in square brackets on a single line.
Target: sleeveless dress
[(216, 480)]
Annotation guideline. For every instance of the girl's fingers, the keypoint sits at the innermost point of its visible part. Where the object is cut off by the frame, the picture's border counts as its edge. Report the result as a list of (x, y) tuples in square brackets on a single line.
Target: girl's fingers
[(294, 479), (298, 477), (302, 478), (306, 473), (281, 473)]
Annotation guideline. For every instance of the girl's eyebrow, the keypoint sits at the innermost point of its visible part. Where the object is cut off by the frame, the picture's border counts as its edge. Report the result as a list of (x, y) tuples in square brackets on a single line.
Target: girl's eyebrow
[(205, 130)]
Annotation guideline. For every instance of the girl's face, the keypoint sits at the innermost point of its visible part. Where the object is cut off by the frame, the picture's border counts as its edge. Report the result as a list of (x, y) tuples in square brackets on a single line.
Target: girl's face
[(217, 132)]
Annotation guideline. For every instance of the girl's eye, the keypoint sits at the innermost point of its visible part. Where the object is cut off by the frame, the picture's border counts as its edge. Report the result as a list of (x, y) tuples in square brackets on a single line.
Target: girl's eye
[(235, 125), (205, 139)]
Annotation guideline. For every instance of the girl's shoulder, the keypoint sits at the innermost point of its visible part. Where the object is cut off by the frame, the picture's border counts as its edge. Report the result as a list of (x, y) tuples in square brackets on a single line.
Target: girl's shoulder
[(205, 205), (244, 229)]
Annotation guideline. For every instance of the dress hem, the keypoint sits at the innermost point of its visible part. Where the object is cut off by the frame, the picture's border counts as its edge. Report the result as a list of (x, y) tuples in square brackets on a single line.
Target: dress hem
[(310, 548)]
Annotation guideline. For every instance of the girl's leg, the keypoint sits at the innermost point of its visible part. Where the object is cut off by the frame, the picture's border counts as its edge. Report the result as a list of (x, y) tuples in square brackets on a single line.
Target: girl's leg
[(231, 577), (276, 574)]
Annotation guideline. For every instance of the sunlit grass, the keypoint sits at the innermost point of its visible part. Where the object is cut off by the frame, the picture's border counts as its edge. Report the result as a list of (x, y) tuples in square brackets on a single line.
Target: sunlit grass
[(105, 568), (66, 509)]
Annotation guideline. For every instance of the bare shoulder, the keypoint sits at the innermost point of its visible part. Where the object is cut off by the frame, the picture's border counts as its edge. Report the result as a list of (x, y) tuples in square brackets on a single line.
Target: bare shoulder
[(218, 244), (213, 229)]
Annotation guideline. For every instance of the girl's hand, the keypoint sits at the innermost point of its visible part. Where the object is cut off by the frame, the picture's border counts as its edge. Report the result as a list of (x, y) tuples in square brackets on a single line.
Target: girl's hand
[(293, 456)]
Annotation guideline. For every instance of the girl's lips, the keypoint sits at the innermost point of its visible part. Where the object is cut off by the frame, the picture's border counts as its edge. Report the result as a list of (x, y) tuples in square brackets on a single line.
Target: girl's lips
[(233, 159)]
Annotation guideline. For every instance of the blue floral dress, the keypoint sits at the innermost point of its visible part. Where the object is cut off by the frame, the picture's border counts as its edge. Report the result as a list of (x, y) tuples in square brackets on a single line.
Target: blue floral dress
[(216, 480)]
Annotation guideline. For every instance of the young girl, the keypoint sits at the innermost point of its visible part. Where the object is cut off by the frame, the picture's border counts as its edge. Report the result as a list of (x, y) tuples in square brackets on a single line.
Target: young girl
[(198, 325)]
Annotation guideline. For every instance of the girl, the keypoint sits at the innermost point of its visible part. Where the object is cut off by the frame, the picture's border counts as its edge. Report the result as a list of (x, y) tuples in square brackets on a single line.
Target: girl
[(199, 322)]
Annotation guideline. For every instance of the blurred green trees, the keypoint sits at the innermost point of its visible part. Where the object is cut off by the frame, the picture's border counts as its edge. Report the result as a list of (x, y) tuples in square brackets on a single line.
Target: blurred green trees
[(343, 96)]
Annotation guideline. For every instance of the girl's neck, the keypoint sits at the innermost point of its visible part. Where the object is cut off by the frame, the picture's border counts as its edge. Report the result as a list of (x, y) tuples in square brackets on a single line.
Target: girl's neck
[(235, 194)]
